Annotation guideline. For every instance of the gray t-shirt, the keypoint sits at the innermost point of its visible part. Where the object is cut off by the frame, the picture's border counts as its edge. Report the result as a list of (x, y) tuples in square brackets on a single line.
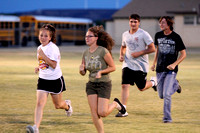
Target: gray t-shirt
[(95, 62), (134, 43)]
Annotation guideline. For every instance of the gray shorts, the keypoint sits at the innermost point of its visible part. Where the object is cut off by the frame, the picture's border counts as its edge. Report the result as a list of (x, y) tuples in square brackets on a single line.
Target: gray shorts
[(102, 89)]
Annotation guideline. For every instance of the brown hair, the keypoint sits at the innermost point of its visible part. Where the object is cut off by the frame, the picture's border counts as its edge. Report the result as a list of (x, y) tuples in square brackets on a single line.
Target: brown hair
[(134, 16), (52, 31), (169, 20), (104, 39)]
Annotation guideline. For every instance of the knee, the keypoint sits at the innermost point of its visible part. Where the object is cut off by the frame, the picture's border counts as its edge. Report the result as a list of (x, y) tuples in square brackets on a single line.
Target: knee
[(125, 86), (40, 104), (102, 113)]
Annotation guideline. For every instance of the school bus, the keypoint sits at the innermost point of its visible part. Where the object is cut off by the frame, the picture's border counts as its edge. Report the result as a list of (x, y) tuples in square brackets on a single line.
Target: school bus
[(9, 30), (67, 29), (25, 29)]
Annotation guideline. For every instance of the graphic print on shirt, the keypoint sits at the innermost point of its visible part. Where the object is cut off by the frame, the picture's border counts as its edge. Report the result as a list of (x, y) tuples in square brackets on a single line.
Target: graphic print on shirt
[(133, 43), (166, 46), (93, 64), (42, 64)]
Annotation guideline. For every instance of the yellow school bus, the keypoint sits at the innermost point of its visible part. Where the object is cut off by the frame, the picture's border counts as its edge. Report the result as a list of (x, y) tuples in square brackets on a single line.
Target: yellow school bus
[(24, 29), (9, 30), (67, 29)]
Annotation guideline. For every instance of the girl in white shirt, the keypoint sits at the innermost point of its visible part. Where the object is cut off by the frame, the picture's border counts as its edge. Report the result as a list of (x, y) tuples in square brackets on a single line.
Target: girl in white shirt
[(50, 79)]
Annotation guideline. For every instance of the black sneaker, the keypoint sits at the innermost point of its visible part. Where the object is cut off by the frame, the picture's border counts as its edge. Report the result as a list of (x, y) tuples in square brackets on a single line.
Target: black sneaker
[(154, 88), (123, 110), (179, 88), (119, 114), (154, 79)]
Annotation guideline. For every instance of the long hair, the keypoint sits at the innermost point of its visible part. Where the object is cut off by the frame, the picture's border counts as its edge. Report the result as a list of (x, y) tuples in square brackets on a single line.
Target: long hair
[(169, 20), (52, 31), (104, 39)]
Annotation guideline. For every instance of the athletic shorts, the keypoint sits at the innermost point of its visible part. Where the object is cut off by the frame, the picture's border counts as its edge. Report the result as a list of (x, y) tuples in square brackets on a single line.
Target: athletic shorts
[(134, 77), (102, 89), (52, 86)]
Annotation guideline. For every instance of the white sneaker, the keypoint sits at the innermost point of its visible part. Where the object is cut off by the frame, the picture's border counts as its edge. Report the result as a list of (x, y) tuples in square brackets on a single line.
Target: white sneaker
[(154, 79), (32, 129), (70, 110)]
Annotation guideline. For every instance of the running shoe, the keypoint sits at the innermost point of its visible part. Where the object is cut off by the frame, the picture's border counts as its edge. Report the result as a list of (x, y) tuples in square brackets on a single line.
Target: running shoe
[(70, 110), (154, 79), (119, 114), (123, 110), (32, 129)]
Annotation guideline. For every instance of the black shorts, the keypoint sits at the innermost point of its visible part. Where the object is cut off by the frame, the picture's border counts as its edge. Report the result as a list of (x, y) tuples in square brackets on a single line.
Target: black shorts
[(52, 86), (134, 77), (102, 89)]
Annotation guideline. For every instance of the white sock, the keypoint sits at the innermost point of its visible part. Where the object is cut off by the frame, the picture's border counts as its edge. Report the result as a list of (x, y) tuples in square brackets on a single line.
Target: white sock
[(118, 106), (153, 83), (35, 127)]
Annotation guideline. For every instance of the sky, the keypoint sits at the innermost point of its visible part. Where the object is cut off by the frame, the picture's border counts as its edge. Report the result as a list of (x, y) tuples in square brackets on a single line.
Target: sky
[(12, 6)]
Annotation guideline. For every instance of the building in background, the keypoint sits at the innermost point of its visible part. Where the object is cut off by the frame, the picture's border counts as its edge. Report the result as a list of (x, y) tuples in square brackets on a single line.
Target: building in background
[(186, 14)]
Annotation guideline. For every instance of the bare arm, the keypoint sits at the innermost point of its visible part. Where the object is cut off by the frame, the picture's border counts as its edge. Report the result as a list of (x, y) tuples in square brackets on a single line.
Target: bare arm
[(121, 54), (111, 66), (178, 61), (82, 69), (50, 62), (155, 59), (150, 49)]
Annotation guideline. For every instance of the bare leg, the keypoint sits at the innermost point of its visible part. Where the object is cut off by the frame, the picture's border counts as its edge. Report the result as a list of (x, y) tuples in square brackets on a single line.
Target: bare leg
[(93, 101), (125, 93), (41, 101), (58, 102), (147, 86), (104, 108)]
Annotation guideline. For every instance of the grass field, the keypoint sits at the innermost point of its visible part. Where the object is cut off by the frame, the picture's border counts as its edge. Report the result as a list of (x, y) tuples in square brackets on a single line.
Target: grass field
[(18, 96)]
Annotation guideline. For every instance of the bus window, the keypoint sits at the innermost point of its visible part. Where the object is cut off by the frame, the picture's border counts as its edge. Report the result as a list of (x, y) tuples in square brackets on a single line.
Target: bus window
[(17, 25), (1, 24), (25, 25), (6, 27)]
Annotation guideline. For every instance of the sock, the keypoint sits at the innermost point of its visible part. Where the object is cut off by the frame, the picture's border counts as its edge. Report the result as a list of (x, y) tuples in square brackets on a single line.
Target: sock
[(35, 128), (118, 106), (153, 83)]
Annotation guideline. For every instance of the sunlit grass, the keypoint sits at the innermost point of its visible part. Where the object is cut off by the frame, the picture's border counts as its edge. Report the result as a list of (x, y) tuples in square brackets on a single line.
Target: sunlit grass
[(18, 96)]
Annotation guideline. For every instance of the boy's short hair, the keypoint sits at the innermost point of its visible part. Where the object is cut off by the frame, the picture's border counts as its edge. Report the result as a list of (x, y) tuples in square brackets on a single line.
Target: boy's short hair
[(134, 16)]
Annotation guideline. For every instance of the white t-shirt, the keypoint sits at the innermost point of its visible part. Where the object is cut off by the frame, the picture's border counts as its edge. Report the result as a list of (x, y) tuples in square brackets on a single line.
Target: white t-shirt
[(134, 43), (53, 53)]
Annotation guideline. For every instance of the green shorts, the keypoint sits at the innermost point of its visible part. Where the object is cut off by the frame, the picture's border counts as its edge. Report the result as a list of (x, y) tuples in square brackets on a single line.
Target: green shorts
[(102, 89)]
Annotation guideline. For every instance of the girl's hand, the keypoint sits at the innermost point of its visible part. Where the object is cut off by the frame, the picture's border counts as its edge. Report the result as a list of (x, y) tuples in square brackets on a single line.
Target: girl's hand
[(98, 76), (36, 70), (82, 69)]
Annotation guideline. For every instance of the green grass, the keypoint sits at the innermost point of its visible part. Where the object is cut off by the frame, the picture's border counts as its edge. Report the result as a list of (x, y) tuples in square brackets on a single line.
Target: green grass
[(18, 96)]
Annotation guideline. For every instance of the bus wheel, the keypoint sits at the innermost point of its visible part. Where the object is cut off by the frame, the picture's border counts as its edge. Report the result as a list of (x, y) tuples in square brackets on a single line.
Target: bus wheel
[(24, 41)]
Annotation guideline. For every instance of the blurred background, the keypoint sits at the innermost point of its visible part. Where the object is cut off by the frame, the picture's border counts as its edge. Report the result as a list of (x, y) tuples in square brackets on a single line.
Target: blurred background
[(20, 20)]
